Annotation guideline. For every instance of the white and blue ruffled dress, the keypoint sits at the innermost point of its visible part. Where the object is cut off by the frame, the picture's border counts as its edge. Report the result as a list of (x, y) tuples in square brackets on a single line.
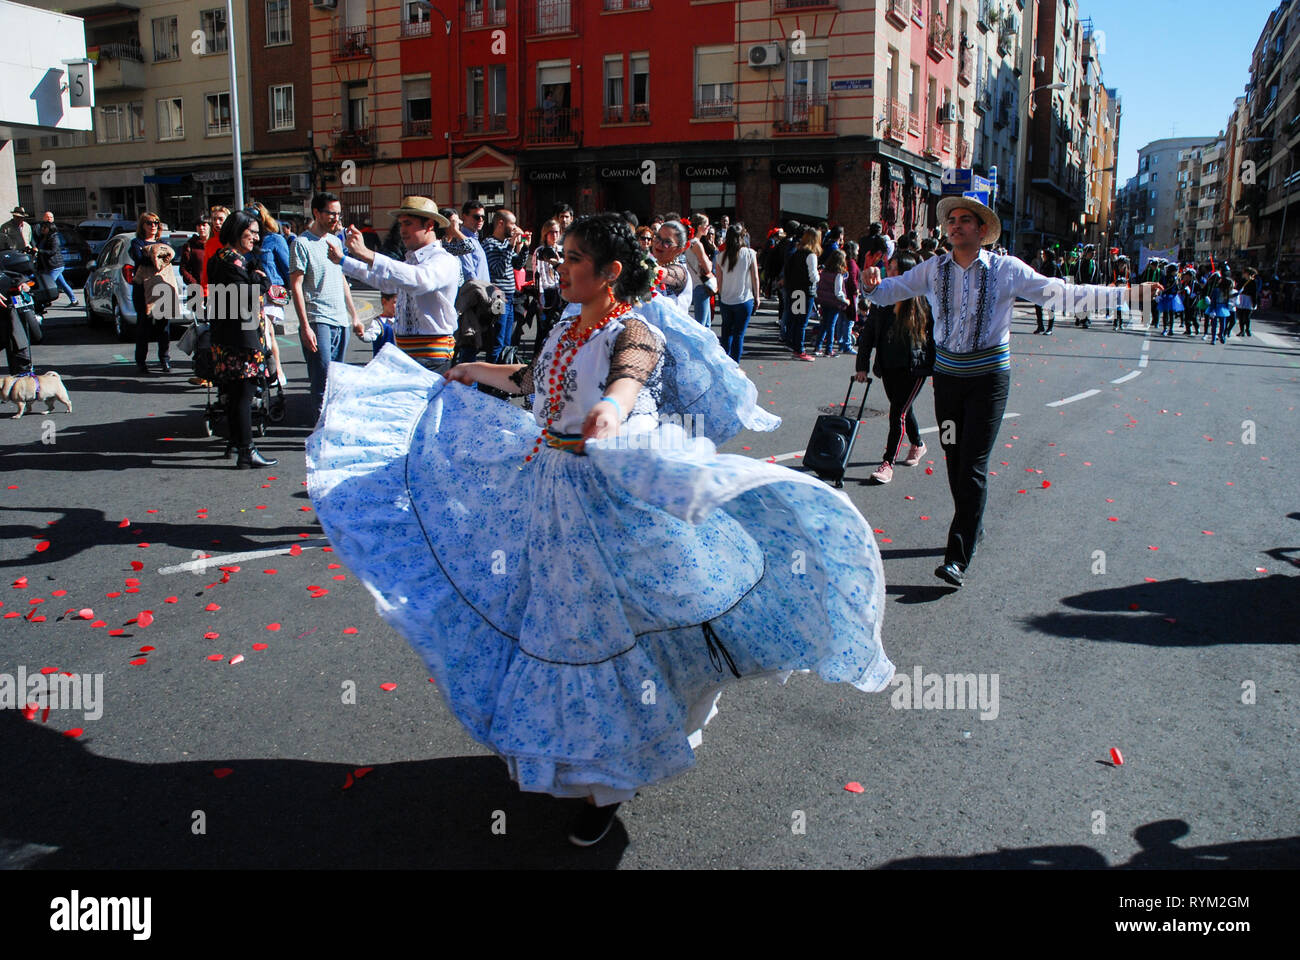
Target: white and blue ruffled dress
[(581, 612)]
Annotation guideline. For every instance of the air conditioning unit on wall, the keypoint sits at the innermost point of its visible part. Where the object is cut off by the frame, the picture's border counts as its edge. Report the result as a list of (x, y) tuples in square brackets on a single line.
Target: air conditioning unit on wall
[(948, 113), (765, 55), (300, 182)]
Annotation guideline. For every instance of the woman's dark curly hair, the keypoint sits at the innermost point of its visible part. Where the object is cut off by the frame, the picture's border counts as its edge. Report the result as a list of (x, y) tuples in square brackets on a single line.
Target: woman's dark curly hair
[(606, 237)]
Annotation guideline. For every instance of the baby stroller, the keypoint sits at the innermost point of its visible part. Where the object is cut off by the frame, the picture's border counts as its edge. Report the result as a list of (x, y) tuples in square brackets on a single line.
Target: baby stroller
[(268, 399)]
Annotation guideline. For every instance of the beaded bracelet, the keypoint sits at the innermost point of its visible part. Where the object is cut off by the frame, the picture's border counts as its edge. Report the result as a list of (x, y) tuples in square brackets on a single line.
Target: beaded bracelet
[(611, 400)]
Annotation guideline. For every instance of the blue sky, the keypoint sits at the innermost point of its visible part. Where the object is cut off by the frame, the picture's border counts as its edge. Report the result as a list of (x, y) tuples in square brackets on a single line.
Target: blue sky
[(1178, 65)]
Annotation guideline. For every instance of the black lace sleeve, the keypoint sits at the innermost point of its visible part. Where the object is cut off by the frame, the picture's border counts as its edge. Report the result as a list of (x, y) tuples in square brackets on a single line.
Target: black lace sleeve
[(675, 277), (636, 353), (525, 378)]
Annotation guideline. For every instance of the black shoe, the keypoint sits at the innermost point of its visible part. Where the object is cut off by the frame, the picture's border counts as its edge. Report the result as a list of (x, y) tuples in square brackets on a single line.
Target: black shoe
[(592, 824), (249, 458), (1047, 333), (1039, 330), (951, 572), (166, 366), (143, 368)]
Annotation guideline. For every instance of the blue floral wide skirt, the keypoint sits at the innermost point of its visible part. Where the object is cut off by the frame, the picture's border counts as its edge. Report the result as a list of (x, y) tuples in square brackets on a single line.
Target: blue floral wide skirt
[(580, 613)]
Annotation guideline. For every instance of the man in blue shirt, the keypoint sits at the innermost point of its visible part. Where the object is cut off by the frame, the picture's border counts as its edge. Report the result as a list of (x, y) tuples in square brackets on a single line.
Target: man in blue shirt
[(473, 217), (504, 256), (455, 240)]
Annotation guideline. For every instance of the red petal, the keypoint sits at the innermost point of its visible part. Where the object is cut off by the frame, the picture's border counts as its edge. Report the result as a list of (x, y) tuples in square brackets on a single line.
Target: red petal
[(237, 658), (348, 782), (216, 656), (212, 607), (334, 566), (43, 546), (74, 732), (222, 772), (1116, 756), (125, 523), (48, 670), (85, 613), (210, 635), (295, 550), (340, 576), (139, 661), (1046, 484), (116, 633), (854, 787), (1113, 519), (36, 619), (388, 686), (144, 619), (349, 629), (58, 593), (29, 711), (146, 649), (99, 623), (1133, 606), (1150, 579), (171, 600), (260, 646), (1208, 533), (270, 571), (273, 626), (360, 772), (929, 469), (137, 565)]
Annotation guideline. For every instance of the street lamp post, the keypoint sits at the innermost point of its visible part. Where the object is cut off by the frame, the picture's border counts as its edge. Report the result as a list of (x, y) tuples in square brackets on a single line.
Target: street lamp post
[(239, 198), (1020, 164)]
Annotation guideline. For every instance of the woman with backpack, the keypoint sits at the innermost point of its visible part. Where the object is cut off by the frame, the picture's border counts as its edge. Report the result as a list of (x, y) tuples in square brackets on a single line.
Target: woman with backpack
[(832, 300), (1246, 301), (903, 338)]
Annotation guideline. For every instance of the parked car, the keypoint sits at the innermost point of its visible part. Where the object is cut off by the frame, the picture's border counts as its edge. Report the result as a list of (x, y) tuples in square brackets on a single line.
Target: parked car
[(108, 287), (97, 231)]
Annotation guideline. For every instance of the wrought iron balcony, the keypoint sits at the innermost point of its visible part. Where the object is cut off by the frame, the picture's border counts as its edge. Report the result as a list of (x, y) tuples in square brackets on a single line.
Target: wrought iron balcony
[(802, 115), (351, 43), (356, 144), (556, 127)]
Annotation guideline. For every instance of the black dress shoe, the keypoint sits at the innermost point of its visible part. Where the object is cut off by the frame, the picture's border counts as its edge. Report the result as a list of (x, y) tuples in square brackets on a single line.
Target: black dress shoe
[(166, 366), (142, 368), (951, 572), (592, 825), (249, 458)]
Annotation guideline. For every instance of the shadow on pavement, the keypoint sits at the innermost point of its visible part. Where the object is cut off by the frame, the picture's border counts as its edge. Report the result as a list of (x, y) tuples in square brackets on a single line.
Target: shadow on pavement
[(82, 811), (1159, 852)]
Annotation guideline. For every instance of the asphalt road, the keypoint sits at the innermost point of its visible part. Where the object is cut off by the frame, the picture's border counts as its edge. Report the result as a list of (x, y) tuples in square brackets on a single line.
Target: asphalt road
[(1183, 475)]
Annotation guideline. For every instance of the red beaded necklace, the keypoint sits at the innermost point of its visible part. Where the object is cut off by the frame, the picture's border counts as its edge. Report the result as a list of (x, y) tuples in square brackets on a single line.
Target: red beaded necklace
[(560, 365)]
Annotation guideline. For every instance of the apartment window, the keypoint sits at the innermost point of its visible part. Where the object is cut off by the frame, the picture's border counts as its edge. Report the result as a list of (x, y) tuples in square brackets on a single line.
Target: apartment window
[(554, 80), (356, 99), (415, 21), (171, 119), (356, 205), (417, 107), (482, 13), (914, 98), (497, 94), (807, 76), (121, 123), (614, 89), (166, 40), (217, 112), (640, 67), (475, 92), (278, 22), (281, 103), (715, 81), (213, 25), (66, 203)]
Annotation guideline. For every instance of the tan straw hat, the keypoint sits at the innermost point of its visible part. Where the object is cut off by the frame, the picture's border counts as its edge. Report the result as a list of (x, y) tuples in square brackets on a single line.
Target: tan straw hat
[(421, 207), (948, 204)]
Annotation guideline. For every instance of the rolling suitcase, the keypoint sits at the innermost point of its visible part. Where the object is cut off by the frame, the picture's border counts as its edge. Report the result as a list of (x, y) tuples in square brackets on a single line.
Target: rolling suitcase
[(832, 439)]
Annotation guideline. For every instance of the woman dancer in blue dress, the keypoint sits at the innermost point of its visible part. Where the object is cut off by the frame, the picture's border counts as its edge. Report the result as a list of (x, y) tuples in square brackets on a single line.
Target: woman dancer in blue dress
[(636, 571)]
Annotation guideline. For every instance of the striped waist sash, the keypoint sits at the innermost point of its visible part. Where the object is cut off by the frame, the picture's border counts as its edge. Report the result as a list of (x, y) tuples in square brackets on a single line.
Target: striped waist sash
[(972, 364), (563, 441), (426, 348)]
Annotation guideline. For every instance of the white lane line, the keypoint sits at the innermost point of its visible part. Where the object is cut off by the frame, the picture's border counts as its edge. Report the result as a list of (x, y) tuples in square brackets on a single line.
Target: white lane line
[(195, 566), (1146, 345), (1078, 396), (1127, 377), (1270, 340), (1142, 360)]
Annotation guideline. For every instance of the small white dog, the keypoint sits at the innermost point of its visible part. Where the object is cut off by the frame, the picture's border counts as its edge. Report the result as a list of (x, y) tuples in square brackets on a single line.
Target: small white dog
[(29, 390)]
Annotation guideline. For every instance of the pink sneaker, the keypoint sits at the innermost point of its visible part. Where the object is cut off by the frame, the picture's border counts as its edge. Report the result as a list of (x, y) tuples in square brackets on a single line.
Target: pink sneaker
[(914, 455), (884, 473)]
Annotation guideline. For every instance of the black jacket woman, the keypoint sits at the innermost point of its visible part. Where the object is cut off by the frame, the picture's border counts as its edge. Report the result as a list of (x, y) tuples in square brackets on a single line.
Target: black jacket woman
[(239, 349), (902, 336), (148, 229)]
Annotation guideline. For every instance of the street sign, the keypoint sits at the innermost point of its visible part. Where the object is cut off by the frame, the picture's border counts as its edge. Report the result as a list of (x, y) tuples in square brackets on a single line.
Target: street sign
[(967, 183), (81, 84)]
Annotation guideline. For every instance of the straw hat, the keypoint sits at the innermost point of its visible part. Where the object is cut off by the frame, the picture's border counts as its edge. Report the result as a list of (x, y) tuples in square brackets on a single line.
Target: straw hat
[(421, 207), (948, 204)]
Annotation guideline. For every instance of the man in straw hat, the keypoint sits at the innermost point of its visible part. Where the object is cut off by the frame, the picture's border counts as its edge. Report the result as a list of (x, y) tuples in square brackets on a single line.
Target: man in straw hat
[(16, 233), (971, 294), (425, 322)]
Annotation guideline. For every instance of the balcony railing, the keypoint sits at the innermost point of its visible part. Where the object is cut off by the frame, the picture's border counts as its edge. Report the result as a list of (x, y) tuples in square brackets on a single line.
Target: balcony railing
[(485, 15), (709, 109), (898, 12), (802, 115), (415, 28), (933, 140), (914, 123), (894, 121), (986, 14), (622, 113), (544, 18), (555, 127), (627, 4), (477, 124), (124, 50), (940, 38), (782, 5), (983, 96), (351, 43), (963, 154), (947, 141), (355, 144), (417, 128)]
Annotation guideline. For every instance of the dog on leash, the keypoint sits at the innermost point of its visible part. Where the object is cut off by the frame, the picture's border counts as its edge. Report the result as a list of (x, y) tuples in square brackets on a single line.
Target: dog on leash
[(27, 390)]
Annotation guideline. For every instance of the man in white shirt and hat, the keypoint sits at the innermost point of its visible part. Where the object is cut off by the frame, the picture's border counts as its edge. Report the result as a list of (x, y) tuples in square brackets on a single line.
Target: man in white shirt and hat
[(425, 322), (971, 293)]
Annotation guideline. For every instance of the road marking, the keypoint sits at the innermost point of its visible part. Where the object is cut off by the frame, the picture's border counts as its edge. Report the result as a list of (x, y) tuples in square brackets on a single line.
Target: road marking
[(1146, 345), (195, 566), (118, 358), (1078, 396), (1270, 340), (1142, 360), (1127, 377)]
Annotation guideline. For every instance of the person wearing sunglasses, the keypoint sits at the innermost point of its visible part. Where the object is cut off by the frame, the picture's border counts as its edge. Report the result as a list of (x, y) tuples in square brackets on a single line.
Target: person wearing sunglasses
[(473, 215), (321, 297), (148, 231)]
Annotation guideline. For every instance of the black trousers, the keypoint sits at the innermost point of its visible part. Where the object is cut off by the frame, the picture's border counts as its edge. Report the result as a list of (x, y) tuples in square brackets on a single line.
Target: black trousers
[(147, 330), (901, 386), (18, 349), (969, 413), (239, 411)]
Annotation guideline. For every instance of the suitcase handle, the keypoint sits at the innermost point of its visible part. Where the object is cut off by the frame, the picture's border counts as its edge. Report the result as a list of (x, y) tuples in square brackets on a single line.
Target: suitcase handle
[(866, 384)]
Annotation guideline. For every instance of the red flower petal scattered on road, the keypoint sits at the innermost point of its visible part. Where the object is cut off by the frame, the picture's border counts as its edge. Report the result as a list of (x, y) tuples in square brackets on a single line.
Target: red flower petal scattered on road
[(11, 614), (1116, 757), (260, 646), (43, 546), (929, 470), (125, 523), (349, 629), (1133, 606), (211, 607), (1149, 547), (139, 661), (45, 715), (20, 582), (348, 782), (211, 635), (1208, 533), (115, 593), (58, 593), (171, 600), (1087, 463), (340, 576), (1171, 620), (74, 732), (144, 619), (1022, 491), (924, 517), (216, 656), (1046, 484), (137, 565), (29, 711), (273, 626), (1113, 519), (360, 772), (117, 632), (388, 686), (39, 618), (1260, 570), (854, 787), (222, 772), (48, 670), (85, 613), (142, 545), (305, 509), (146, 649), (237, 658), (909, 497), (334, 566), (295, 550), (885, 540), (98, 623), (1150, 579)]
